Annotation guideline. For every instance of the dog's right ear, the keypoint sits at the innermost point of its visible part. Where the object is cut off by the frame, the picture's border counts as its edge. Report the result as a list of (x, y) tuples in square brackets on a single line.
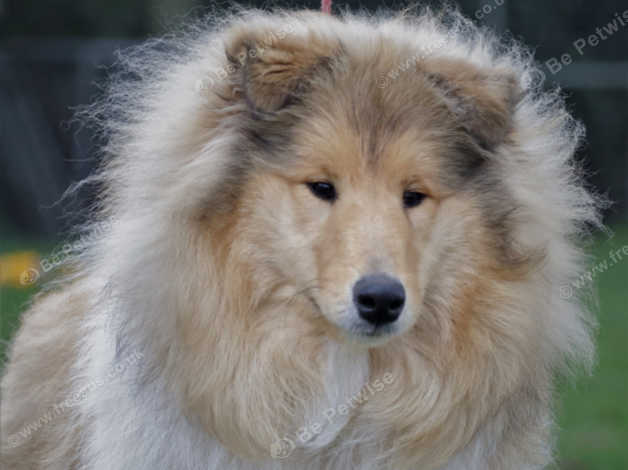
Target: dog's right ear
[(272, 68)]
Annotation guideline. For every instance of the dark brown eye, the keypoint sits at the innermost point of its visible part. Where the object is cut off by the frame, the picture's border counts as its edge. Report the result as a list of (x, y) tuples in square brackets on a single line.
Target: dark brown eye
[(412, 199), (323, 190)]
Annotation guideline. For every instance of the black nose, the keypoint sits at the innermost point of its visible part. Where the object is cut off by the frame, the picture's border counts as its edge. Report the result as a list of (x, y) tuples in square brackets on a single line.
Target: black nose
[(379, 298)]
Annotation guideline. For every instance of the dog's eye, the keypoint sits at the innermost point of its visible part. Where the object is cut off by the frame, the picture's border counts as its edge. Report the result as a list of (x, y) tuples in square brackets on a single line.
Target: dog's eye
[(412, 198), (323, 190)]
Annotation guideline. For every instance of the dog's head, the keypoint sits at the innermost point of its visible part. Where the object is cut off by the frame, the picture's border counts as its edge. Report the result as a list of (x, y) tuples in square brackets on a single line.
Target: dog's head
[(355, 189)]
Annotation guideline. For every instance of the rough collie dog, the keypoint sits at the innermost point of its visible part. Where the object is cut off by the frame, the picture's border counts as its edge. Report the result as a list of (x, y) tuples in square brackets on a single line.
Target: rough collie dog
[(323, 243)]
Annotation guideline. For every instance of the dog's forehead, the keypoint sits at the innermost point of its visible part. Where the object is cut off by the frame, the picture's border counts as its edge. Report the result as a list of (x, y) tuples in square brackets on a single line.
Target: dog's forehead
[(340, 151), (356, 126)]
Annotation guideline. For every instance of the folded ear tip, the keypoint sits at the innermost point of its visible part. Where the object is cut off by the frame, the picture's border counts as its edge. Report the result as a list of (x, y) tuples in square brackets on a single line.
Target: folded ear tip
[(269, 65)]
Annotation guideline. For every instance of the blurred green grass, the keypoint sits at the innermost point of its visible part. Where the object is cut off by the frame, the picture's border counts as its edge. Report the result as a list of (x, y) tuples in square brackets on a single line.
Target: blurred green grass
[(592, 413), (13, 300)]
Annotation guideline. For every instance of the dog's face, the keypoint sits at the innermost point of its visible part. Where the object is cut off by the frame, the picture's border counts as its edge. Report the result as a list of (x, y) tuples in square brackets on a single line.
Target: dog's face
[(348, 230), (349, 178)]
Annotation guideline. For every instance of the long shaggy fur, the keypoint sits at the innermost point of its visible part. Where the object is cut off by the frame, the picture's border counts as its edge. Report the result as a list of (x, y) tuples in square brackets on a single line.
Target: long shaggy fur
[(198, 271)]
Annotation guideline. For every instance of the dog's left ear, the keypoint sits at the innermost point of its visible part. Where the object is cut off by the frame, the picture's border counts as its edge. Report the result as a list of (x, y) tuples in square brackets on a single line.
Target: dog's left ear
[(483, 101), (272, 68)]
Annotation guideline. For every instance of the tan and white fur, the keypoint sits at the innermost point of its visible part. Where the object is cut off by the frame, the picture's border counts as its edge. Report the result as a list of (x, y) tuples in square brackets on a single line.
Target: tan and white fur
[(231, 282)]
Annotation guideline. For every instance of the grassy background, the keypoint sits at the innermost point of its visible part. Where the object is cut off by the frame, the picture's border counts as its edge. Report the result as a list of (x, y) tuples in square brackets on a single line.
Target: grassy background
[(592, 413)]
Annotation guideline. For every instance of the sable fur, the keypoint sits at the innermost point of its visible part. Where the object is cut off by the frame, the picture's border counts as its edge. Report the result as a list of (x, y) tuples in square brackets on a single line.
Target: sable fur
[(231, 280)]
